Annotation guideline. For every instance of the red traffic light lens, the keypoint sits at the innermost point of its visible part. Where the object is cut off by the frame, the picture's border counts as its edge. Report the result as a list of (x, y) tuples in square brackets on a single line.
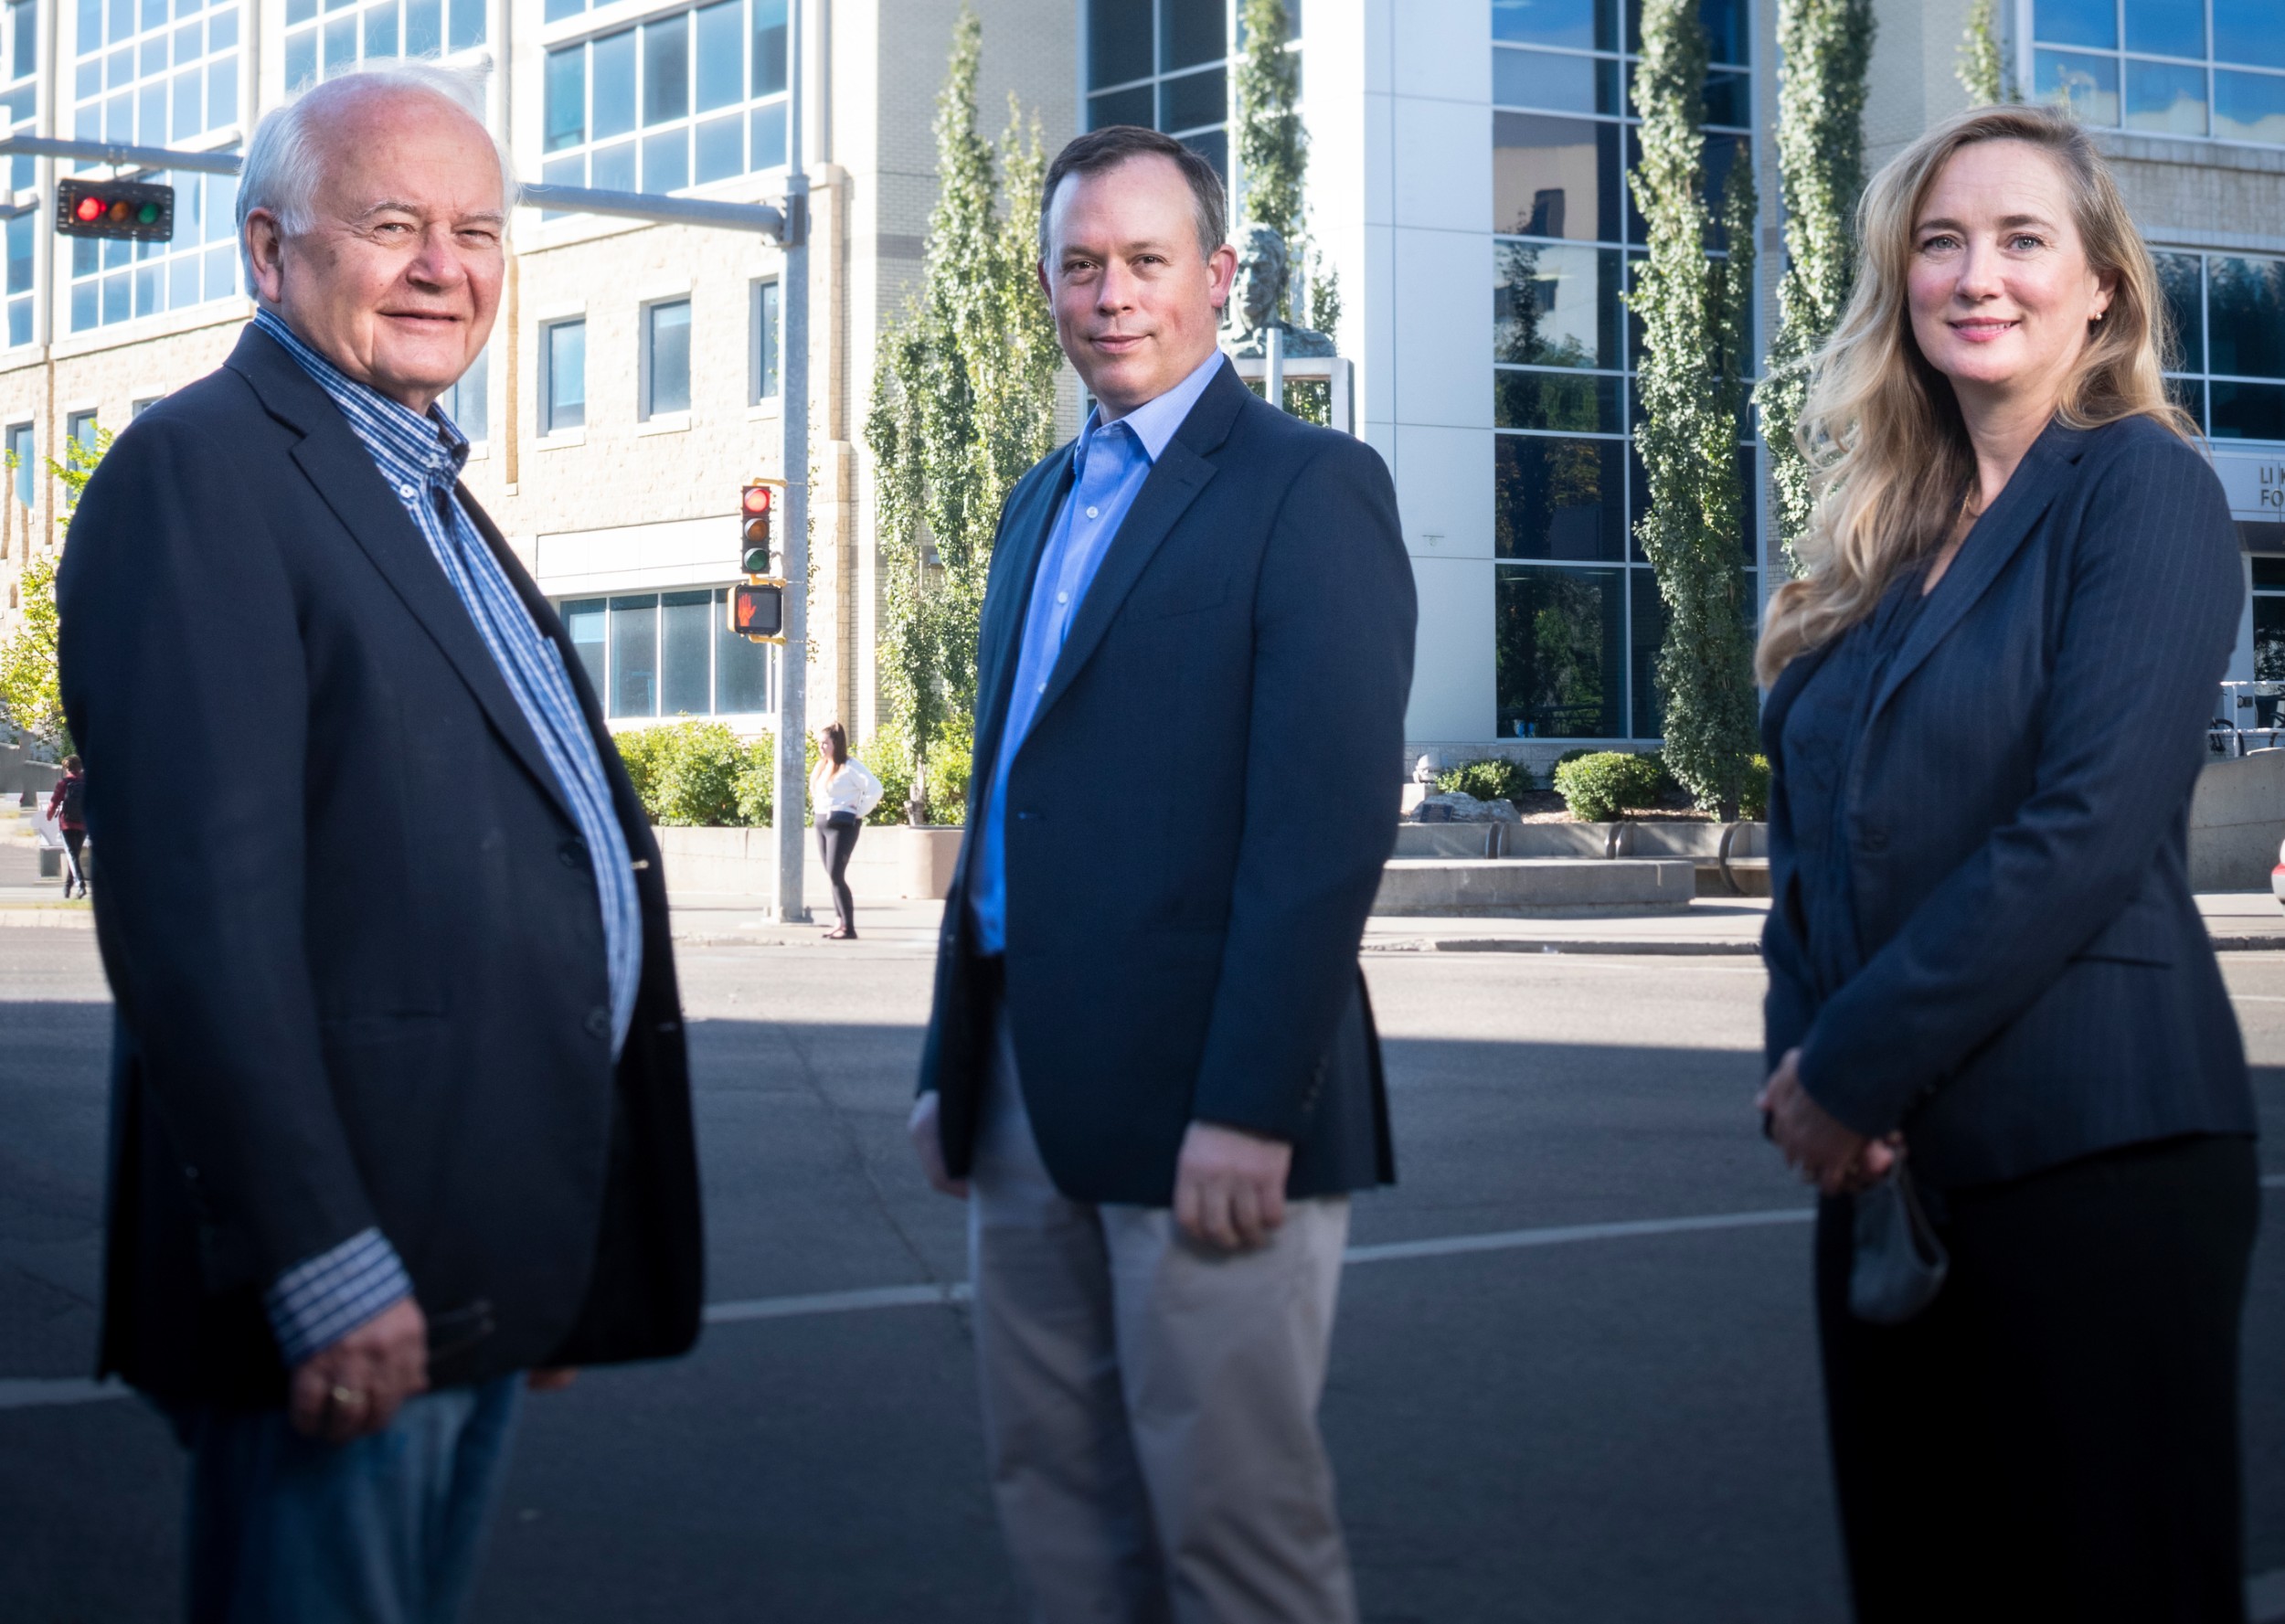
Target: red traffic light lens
[(89, 209), (757, 499)]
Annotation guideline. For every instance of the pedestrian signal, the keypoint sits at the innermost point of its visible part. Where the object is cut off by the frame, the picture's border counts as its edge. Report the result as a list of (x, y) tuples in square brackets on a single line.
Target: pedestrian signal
[(755, 506), (123, 208), (757, 610)]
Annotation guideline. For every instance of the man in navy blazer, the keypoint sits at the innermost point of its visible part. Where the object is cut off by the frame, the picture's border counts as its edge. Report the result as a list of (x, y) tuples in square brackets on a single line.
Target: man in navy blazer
[(1150, 1065), (400, 1109)]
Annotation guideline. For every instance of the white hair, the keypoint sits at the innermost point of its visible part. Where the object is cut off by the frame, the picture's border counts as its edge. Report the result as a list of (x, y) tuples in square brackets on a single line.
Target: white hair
[(284, 161)]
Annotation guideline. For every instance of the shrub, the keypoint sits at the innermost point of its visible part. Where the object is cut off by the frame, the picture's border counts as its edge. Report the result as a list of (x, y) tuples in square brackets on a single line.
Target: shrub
[(888, 753), (1607, 784), (1496, 778), (1578, 755), (687, 773), (1753, 792)]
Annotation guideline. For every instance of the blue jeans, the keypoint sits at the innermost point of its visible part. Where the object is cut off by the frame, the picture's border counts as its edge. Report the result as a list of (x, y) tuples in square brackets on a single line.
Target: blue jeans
[(384, 1530)]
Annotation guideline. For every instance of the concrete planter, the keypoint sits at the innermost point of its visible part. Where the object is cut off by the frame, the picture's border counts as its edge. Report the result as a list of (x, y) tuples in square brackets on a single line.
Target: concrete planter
[(1534, 888), (891, 863), (2237, 819)]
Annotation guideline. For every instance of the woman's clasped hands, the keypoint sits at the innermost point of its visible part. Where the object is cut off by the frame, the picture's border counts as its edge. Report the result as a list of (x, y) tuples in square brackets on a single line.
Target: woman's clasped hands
[(1836, 1158)]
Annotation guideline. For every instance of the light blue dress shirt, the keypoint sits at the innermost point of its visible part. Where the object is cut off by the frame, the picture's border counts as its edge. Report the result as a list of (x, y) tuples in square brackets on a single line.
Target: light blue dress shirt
[(1109, 468)]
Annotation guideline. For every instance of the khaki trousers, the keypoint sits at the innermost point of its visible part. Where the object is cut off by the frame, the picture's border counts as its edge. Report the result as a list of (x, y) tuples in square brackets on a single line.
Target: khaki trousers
[(1150, 1406)]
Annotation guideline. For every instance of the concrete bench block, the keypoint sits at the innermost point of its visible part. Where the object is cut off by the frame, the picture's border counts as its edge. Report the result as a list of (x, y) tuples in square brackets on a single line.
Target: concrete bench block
[(1549, 887), (1444, 840)]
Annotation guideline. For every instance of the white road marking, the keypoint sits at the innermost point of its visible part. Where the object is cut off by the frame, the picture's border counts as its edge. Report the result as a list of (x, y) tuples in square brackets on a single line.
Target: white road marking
[(33, 1392)]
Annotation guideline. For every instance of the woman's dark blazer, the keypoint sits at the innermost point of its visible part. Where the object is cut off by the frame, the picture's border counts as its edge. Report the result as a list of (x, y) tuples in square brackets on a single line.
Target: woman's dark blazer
[(2033, 982)]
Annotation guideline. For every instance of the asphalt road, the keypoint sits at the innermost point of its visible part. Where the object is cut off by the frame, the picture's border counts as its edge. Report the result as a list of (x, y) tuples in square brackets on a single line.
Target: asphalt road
[(1586, 1428)]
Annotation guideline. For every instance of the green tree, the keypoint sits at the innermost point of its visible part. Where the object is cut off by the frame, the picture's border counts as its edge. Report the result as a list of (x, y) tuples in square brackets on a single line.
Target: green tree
[(31, 694), (1695, 310), (1273, 159), (964, 403), (1272, 143), (1826, 45), (1982, 68)]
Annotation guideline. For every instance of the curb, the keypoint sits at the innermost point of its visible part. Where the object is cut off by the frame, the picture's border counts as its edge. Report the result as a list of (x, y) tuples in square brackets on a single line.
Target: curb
[(1499, 944)]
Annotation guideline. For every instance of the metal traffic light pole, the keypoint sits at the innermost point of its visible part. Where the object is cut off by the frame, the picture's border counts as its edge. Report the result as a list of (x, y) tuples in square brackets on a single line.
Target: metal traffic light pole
[(793, 652)]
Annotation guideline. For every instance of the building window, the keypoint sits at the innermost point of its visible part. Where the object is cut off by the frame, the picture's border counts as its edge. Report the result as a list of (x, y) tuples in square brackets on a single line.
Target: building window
[(1578, 612), (318, 49), (2229, 315), (2269, 636), (151, 74), (681, 100), (666, 655), (1164, 64), (23, 237), (80, 427), (21, 459), (664, 381), (563, 392), (117, 282), (19, 103), (465, 402), (766, 334), (2155, 65)]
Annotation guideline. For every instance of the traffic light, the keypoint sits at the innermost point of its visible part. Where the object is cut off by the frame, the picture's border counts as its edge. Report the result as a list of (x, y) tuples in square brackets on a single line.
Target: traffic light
[(131, 209), (758, 604), (755, 504), (757, 610)]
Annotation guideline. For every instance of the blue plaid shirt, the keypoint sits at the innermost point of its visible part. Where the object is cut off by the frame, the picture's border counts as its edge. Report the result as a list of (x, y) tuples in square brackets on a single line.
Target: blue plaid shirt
[(320, 1300)]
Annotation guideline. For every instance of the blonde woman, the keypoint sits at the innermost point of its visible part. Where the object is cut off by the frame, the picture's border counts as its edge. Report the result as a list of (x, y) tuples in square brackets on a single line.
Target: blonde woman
[(1987, 705), (842, 792)]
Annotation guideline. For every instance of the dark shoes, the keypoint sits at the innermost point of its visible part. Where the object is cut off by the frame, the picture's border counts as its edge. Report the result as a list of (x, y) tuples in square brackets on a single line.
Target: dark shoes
[(840, 933)]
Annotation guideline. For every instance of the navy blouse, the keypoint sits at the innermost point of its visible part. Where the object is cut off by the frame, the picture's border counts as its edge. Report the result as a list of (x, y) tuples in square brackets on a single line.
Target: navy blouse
[(1823, 734)]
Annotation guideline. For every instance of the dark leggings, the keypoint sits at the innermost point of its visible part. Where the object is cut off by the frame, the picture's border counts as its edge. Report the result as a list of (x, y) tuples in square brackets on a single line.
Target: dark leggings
[(75, 868), (2055, 1437), (836, 838)]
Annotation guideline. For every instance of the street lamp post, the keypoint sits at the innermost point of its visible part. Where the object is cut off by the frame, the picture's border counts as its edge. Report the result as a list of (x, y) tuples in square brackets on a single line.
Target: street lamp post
[(794, 653)]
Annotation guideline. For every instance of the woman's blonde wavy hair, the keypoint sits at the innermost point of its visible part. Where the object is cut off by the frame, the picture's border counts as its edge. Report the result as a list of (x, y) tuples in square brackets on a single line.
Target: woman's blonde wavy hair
[(1889, 453)]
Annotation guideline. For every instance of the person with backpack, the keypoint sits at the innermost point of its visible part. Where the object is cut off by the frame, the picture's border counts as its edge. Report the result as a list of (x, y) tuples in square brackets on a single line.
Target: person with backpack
[(67, 809)]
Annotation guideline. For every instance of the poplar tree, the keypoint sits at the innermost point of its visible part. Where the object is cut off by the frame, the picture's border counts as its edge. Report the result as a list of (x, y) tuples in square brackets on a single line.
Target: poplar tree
[(31, 691), (1695, 309), (964, 403), (1273, 159), (1826, 47), (1982, 65), (1272, 144)]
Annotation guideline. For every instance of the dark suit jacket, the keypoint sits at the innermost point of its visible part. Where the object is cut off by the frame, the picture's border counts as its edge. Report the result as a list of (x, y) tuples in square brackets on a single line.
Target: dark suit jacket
[(350, 924), (1197, 821), (2036, 983)]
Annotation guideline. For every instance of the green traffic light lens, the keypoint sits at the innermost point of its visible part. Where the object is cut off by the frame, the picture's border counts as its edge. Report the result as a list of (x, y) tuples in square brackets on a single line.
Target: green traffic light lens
[(148, 214)]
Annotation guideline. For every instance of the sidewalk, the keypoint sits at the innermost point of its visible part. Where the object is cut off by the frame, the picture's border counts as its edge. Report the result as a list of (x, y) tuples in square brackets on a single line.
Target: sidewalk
[(2239, 921)]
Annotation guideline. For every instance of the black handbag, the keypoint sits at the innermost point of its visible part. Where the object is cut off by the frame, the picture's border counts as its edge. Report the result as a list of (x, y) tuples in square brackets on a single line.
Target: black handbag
[(1899, 1262)]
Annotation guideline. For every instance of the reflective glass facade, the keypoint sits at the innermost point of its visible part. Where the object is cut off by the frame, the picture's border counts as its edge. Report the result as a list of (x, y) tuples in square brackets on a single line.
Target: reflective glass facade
[(2228, 313), (679, 100), (1577, 616), (328, 36), (1165, 64), (2198, 67)]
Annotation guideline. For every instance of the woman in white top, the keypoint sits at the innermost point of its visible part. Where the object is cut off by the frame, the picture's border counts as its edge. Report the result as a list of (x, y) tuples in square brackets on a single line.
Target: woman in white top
[(841, 792)]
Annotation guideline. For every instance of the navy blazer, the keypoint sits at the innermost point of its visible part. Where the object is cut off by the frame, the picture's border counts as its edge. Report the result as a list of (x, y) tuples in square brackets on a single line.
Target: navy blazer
[(2036, 983), (1198, 820), (349, 922)]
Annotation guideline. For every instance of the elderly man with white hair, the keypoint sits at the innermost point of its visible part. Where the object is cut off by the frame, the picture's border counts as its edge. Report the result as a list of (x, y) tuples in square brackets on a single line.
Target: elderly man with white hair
[(400, 1107)]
